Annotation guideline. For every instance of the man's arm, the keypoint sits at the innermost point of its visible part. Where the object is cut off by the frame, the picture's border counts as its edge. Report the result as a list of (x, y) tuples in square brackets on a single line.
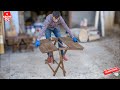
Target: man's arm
[(66, 27), (45, 25)]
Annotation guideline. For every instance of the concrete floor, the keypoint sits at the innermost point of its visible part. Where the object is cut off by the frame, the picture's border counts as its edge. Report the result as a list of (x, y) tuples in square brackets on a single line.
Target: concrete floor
[(87, 64)]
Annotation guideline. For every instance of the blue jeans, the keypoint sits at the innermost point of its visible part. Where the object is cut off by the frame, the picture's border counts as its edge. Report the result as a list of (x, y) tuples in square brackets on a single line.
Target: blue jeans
[(57, 34)]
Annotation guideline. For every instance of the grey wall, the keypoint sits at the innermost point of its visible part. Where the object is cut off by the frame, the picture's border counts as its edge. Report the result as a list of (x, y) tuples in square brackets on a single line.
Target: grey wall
[(27, 14), (77, 16)]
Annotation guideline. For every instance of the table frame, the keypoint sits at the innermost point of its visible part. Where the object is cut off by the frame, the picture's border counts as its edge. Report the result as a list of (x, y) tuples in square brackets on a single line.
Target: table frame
[(60, 63)]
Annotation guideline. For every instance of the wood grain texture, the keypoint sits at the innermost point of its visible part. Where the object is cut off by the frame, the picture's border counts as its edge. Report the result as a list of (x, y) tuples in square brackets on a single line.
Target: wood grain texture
[(72, 46), (47, 47)]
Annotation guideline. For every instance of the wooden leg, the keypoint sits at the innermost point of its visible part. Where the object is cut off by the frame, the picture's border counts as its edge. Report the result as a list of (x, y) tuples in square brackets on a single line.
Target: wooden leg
[(60, 66), (14, 48), (63, 68), (57, 69), (46, 62), (20, 49), (50, 67), (53, 57), (61, 62), (29, 46), (61, 59)]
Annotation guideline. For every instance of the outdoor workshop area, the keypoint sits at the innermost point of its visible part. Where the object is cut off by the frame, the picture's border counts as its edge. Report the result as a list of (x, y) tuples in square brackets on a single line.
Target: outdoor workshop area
[(97, 49)]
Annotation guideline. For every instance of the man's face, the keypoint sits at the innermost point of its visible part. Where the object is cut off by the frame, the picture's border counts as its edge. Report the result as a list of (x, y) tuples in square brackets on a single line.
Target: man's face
[(56, 19)]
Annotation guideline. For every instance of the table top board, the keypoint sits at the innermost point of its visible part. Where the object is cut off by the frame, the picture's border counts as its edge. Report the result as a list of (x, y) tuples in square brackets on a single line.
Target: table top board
[(71, 45), (47, 45)]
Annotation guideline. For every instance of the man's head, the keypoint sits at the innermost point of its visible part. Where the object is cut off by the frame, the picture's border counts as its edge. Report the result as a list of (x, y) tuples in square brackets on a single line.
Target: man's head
[(56, 16)]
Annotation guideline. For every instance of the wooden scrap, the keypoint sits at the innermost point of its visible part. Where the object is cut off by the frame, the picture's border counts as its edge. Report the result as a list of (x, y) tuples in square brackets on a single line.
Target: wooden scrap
[(94, 37), (83, 36)]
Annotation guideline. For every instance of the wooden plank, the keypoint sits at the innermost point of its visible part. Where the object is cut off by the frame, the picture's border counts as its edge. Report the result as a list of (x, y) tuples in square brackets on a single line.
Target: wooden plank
[(47, 40), (72, 46), (94, 37), (1, 45), (47, 47), (2, 51), (44, 41)]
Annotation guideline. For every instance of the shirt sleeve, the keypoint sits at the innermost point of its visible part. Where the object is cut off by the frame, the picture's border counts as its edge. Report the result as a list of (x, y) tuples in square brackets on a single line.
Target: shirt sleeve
[(66, 27), (45, 25)]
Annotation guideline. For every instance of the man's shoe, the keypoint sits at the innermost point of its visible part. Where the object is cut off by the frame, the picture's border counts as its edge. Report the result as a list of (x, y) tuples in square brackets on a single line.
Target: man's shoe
[(49, 59), (64, 58)]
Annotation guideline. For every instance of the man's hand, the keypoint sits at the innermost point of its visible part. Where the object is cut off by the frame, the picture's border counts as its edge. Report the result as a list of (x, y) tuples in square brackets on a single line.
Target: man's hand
[(75, 39), (37, 43)]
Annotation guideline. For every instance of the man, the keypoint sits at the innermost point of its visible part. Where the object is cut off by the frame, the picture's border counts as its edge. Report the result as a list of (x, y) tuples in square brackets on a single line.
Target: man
[(51, 24)]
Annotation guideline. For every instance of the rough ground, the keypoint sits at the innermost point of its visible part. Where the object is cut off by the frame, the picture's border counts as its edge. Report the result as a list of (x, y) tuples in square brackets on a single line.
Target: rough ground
[(86, 64)]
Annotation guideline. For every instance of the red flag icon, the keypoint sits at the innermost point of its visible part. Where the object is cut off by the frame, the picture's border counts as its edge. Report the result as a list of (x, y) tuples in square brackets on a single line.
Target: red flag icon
[(7, 15)]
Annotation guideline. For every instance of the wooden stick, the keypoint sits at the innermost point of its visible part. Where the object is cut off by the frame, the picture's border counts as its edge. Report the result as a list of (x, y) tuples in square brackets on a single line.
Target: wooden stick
[(61, 61), (57, 69), (63, 68), (50, 67), (60, 66)]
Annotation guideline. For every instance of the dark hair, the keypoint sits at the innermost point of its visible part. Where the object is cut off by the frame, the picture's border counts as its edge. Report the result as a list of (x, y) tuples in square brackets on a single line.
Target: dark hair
[(56, 14)]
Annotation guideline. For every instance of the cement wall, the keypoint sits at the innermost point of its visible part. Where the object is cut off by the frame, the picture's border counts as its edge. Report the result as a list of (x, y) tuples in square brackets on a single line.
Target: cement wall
[(27, 14), (109, 19), (21, 21), (77, 16)]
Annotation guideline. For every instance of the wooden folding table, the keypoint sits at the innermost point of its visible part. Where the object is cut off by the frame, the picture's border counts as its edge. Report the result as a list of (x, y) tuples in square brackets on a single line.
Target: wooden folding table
[(48, 45)]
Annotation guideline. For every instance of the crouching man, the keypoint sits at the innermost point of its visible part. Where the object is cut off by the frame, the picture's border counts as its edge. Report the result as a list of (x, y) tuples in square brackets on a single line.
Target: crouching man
[(51, 24)]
